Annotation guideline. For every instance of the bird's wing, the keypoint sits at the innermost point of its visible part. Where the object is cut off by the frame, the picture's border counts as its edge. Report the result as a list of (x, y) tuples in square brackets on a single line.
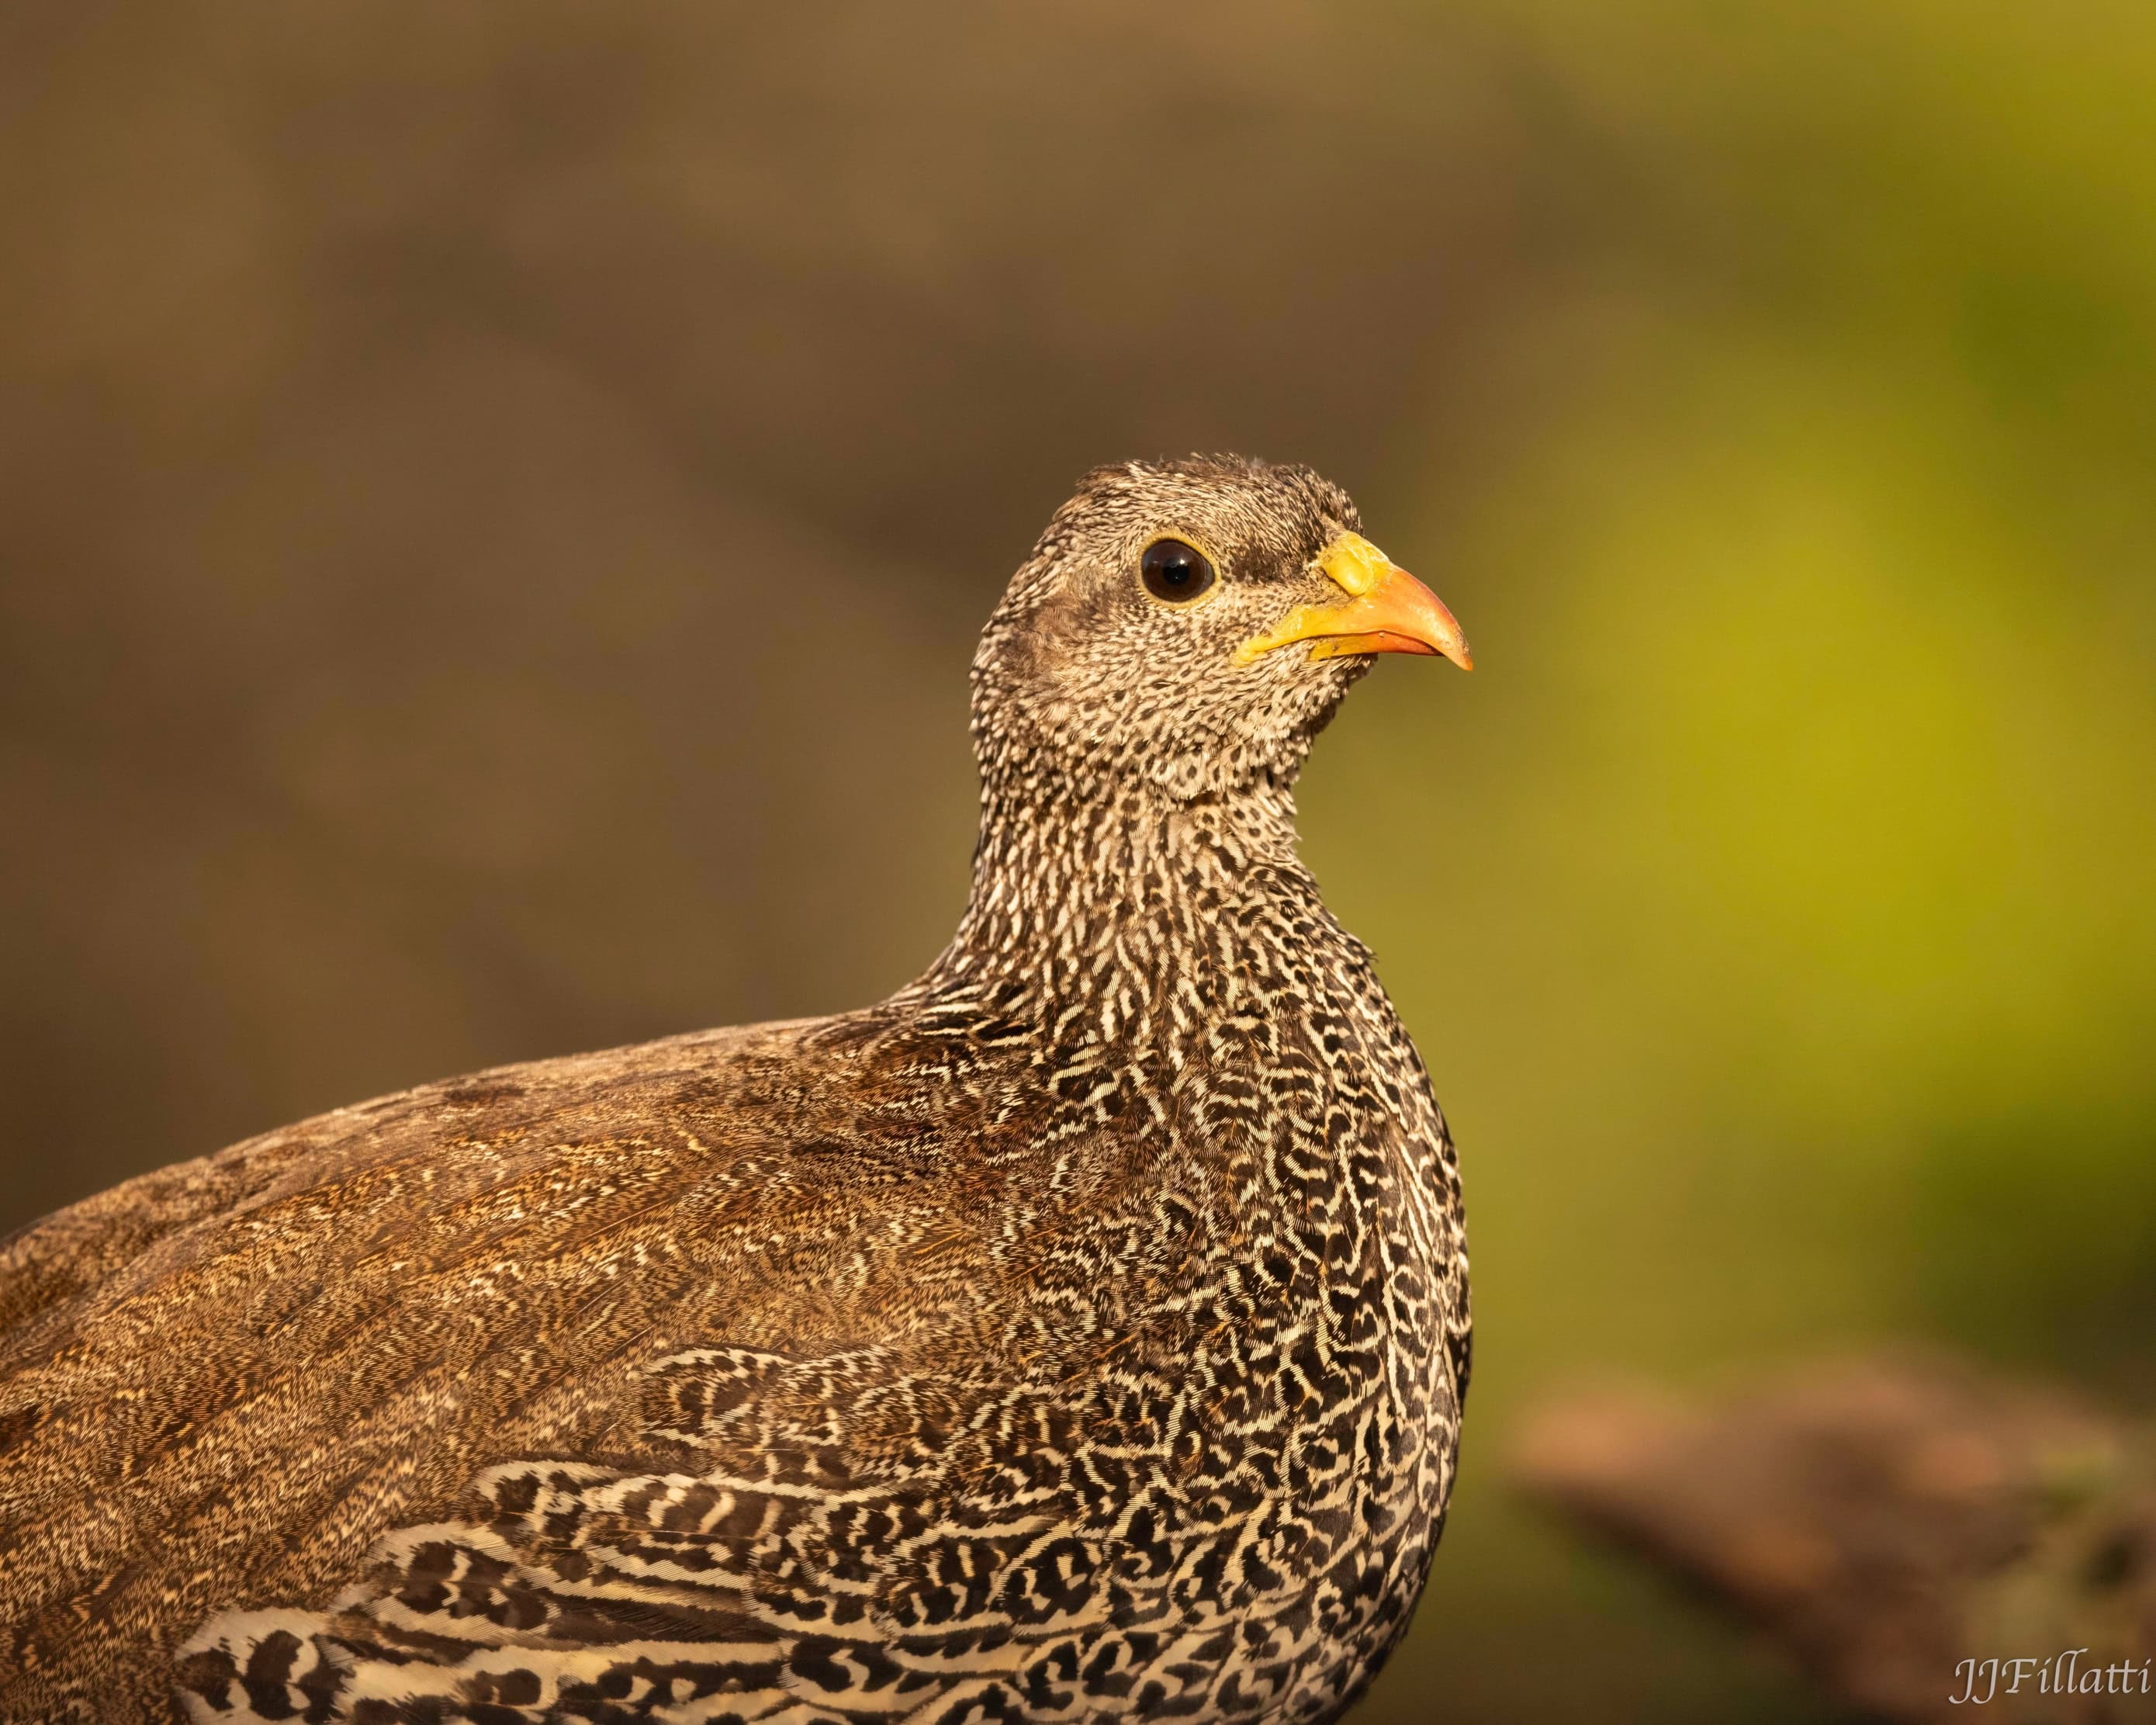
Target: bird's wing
[(639, 1387), (222, 1385)]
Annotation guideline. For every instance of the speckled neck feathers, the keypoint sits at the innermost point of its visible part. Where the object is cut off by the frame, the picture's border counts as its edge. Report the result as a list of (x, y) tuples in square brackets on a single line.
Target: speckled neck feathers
[(1121, 914)]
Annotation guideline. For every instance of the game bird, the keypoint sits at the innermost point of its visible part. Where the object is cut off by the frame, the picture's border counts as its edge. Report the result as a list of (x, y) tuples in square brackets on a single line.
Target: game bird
[(1081, 1333)]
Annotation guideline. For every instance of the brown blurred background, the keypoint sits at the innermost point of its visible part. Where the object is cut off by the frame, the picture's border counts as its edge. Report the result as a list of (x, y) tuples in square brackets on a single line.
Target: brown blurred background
[(495, 504)]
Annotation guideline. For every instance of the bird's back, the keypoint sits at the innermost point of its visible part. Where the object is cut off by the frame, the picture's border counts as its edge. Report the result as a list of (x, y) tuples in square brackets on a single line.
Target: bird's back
[(221, 1382)]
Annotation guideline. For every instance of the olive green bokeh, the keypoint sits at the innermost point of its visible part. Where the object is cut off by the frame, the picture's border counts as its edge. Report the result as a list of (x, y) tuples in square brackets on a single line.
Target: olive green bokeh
[(495, 501)]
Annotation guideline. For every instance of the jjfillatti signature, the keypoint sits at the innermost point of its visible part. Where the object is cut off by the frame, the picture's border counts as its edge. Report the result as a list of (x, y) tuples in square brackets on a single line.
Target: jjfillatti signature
[(2061, 1674)]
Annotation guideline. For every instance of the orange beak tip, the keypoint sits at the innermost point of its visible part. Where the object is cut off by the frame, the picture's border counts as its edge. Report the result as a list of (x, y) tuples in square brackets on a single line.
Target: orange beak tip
[(1386, 610)]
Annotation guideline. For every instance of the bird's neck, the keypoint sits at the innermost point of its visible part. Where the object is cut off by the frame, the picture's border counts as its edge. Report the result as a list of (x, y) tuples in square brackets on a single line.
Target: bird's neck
[(1094, 905)]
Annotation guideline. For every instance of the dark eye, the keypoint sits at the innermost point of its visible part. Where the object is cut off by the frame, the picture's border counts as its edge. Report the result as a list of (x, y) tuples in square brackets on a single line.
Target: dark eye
[(1175, 572)]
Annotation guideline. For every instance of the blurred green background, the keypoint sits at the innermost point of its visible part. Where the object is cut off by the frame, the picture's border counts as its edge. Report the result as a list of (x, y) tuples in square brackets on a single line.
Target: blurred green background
[(496, 502)]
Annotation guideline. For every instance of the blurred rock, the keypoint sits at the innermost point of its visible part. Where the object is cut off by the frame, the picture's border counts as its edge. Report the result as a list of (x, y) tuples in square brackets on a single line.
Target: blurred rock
[(1886, 1520)]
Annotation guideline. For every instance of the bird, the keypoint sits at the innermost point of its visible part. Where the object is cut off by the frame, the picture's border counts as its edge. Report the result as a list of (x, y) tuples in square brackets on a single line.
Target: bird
[(1079, 1333)]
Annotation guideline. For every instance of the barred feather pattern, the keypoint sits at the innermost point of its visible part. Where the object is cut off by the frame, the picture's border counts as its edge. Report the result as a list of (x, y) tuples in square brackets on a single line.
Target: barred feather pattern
[(1079, 1334)]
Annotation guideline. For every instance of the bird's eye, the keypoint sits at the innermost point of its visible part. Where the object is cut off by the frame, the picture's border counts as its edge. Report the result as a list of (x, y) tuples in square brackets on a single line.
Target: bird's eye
[(1174, 572)]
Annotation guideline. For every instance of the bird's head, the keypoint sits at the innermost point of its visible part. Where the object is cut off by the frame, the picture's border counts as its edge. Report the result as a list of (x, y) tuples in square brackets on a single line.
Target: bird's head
[(1191, 625)]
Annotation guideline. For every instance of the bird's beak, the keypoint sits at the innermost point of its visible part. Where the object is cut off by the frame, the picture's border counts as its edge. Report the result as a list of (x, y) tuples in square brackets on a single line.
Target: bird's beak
[(1387, 610)]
